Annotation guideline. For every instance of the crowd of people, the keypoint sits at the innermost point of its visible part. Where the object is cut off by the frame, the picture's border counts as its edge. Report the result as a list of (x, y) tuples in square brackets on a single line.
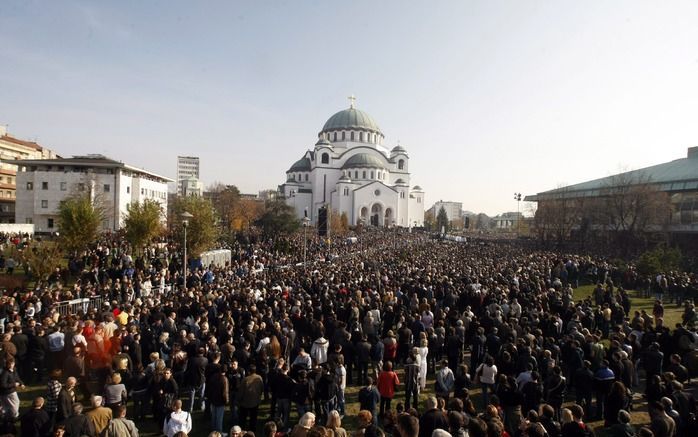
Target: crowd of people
[(492, 329)]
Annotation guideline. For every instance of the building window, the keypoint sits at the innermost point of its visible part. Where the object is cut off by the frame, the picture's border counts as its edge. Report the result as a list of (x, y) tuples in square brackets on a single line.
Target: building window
[(325, 158), (28, 220), (401, 164), (361, 137), (335, 136), (352, 135), (306, 177), (128, 190), (44, 185), (30, 186), (344, 136), (64, 186), (346, 191), (419, 200), (356, 174), (106, 188), (364, 174), (44, 203), (402, 194), (49, 223), (371, 175)]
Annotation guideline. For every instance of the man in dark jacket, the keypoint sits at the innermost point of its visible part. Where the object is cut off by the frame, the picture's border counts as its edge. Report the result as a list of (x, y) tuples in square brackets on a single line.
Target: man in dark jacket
[(363, 357), (35, 422), (369, 397), (21, 342), (217, 393), (9, 382), (197, 378), (584, 385), (432, 419), (78, 425), (66, 399), (411, 381)]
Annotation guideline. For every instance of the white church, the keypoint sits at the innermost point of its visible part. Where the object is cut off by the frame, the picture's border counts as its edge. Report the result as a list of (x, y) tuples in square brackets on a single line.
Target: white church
[(350, 171)]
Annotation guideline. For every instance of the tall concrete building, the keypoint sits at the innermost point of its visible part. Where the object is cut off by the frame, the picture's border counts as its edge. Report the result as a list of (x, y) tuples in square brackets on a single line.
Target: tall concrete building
[(454, 210), (12, 148), (187, 169), (43, 183)]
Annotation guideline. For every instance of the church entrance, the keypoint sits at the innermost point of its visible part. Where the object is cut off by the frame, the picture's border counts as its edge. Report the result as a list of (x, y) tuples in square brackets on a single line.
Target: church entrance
[(376, 214)]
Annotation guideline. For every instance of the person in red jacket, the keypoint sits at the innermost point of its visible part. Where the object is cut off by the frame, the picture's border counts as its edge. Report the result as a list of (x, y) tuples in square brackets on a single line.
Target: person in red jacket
[(387, 384)]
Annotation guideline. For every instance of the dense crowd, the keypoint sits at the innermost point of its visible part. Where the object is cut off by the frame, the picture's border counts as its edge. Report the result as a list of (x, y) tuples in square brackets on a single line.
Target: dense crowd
[(392, 313)]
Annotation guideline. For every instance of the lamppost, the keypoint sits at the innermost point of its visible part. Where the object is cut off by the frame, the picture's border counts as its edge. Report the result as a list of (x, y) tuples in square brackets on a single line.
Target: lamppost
[(306, 222), (185, 216), (517, 197)]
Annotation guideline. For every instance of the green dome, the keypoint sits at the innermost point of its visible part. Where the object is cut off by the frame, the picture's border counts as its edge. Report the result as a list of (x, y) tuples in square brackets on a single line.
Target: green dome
[(302, 164), (351, 118), (363, 160)]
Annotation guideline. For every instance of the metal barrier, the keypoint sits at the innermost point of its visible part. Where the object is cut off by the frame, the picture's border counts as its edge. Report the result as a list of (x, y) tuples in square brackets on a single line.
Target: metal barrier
[(76, 306)]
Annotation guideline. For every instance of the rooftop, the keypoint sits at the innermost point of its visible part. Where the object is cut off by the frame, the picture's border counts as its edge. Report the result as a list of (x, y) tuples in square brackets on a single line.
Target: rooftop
[(677, 175)]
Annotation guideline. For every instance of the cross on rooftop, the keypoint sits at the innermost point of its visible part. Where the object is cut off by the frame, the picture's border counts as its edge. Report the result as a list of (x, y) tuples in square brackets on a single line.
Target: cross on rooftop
[(352, 101)]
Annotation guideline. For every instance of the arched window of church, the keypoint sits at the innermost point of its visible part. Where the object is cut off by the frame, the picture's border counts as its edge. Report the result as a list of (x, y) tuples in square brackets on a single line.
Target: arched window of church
[(356, 174), (344, 136), (361, 137), (402, 194), (364, 174), (352, 135), (401, 164), (335, 136), (325, 158), (306, 177), (371, 175)]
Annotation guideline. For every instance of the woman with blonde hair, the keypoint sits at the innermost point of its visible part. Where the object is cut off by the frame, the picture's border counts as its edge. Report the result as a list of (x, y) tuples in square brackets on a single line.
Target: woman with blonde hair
[(114, 392), (306, 422), (334, 423), (423, 351), (566, 416)]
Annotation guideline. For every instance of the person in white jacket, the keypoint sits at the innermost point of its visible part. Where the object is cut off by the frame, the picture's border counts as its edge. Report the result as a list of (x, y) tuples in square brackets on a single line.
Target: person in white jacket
[(178, 420), (319, 350)]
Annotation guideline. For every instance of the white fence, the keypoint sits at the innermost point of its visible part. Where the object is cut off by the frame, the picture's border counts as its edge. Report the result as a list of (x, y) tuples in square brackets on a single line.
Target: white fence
[(218, 258), (16, 228)]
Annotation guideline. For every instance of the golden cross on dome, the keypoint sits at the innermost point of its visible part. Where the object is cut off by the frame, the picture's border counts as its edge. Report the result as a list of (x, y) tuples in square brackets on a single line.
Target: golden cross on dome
[(352, 101)]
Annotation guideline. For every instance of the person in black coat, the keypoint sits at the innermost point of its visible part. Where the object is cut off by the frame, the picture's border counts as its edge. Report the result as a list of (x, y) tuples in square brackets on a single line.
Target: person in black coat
[(196, 369), (363, 357), (66, 399), (78, 425), (432, 419), (36, 422)]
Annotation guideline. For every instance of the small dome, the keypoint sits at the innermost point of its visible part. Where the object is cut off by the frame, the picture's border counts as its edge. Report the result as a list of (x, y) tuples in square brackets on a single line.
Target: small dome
[(398, 149), (416, 188), (345, 178), (323, 142), (351, 118), (302, 164), (363, 160), (400, 182)]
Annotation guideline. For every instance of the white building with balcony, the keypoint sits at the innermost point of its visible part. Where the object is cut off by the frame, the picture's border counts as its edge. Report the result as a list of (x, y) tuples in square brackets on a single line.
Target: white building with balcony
[(43, 183), (350, 170)]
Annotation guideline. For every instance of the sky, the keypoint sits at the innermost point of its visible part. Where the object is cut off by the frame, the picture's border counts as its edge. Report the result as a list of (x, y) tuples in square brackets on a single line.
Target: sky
[(489, 97)]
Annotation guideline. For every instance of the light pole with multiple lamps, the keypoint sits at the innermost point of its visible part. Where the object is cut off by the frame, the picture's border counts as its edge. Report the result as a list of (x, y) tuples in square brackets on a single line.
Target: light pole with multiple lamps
[(517, 197), (185, 216)]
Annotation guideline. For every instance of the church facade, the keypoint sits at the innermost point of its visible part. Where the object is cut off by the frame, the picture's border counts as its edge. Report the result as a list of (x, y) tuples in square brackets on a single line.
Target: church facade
[(351, 171)]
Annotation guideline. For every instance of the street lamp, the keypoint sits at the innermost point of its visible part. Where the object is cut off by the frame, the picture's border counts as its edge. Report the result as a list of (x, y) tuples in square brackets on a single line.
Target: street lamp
[(306, 222), (517, 197), (185, 216)]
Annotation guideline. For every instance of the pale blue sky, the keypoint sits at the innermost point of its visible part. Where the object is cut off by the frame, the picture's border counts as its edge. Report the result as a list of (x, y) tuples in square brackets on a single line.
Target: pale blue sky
[(488, 97)]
